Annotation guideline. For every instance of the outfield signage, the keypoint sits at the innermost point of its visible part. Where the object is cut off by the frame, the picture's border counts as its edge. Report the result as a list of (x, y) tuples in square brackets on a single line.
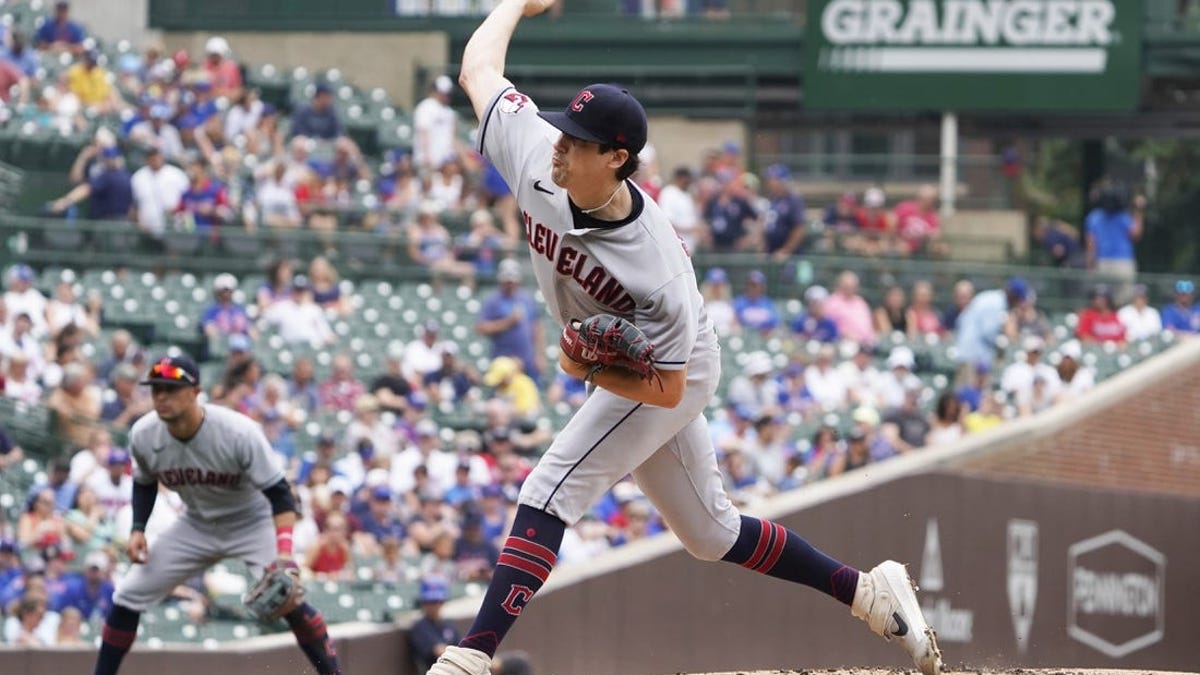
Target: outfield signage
[(1002, 55)]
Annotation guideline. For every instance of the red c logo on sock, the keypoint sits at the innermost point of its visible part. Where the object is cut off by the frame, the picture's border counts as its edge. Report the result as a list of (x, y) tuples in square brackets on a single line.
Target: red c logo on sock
[(518, 596)]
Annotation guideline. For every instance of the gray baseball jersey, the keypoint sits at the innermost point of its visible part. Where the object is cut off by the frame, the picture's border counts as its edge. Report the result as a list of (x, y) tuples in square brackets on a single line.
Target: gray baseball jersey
[(638, 269), (219, 474)]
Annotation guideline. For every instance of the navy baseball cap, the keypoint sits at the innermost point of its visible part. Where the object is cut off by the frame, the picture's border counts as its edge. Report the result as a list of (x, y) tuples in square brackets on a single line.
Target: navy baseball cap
[(1018, 287), (177, 371), (433, 590), (604, 114)]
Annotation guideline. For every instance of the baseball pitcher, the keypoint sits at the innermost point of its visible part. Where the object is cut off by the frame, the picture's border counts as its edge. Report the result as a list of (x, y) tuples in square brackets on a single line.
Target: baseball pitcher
[(616, 276), (239, 505)]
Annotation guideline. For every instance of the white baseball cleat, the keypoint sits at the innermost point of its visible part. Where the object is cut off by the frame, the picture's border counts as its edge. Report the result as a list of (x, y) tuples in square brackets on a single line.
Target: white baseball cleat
[(462, 661), (886, 600)]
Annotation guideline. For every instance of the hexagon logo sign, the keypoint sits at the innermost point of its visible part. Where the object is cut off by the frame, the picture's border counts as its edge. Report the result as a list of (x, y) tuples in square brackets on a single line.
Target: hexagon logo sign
[(1115, 602)]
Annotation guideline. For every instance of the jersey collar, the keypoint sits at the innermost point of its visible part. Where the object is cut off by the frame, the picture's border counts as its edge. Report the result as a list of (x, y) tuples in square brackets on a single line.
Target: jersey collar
[(583, 222)]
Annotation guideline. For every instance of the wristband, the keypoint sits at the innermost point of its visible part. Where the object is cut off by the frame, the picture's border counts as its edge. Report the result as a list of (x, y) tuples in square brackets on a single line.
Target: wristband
[(283, 541), (138, 527)]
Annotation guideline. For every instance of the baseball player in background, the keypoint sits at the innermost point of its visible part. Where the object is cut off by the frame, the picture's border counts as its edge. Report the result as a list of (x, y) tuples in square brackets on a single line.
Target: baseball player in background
[(219, 462), (602, 249)]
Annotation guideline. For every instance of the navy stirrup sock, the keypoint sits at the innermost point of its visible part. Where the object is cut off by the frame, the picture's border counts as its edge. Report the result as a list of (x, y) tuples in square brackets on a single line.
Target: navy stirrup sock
[(528, 556), (774, 550), (120, 630)]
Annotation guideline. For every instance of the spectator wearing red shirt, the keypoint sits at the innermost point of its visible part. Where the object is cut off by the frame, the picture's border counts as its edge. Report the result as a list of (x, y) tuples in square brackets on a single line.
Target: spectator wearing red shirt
[(342, 390), (917, 223), (1099, 321), (224, 73)]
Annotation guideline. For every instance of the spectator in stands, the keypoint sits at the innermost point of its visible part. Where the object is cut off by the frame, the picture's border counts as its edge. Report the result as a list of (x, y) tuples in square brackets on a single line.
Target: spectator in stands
[(1076, 378), (1029, 319), (892, 316), (430, 635), (64, 312), (20, 54), (435, 127), (511, 320), (906, 426), (922, 317), (224, 317), (276, 286), (30, 626), (158, 132), (1113, 227), (318, 119), (508, 380), (963, 293), (330, 559), (60, 33), (984, 319), (717, 305), (483, 243), (841, 218), (125, 402), (224, 73), (19, 383), (10, 77), (10, 454), (784, 225), (946, 426), (369, 425), (342, 389), (109, 191), (157, 189), (70, 628), (453, 381), (76, 404), (299, 320), (276, 199), (391, 388), (850, 311), (754, 310), (856, 455), (90, 594), (890, 386), (327, 292), (731, 218), (1061, 242), (754, 389), (825, 447), (429, 245), (40, 525), (242, 118), (205, 205), (1098, 322), (975, 387), (1181, 316), (302, 387), (474, 555), (677, 202), (1019, 378), (917, 223), (444, 187), (88, 524), (874, 223), (90, 82), (858, 373), (824, 382), (22, 297), (813, 324), (1141, 321), (114, 487)]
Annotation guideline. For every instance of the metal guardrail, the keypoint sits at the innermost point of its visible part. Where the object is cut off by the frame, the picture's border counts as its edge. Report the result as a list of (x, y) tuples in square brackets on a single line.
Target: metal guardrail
[(11, 181)]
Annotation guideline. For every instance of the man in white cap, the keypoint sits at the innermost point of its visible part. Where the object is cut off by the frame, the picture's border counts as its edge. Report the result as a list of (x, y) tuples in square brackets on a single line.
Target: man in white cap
[(754, 388), (813, 324), (1076, 377), (435, 126), (824, 382), (1018, 378), (224, 317), (899, 375)]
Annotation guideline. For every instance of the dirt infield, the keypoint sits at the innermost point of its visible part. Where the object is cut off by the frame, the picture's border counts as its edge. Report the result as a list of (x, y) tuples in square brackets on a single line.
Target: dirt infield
[(1014, 671)]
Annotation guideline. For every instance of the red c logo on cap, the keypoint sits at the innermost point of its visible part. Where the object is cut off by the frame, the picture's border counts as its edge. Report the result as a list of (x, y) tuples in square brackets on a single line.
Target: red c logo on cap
[(583, 97)]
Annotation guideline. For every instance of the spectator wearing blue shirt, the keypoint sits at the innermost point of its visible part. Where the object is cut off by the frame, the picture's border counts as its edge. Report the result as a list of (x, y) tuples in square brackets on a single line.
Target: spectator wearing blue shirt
[(511, 320), (25, 58), (1061, 242), (57, 481), (1112, 228), (10, 563), (753, 308), (205, 204), (10, 452), (462, 491), (318, 119), (224, 317), (731, 219), (1183, 315), (380, 519), (109, 190), (59, 33), (451, 382), (90, 593), (812, 324), (982, 321), (783, 222)]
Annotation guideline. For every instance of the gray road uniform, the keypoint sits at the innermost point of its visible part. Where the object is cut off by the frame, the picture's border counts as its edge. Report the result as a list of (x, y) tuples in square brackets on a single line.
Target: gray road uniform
[(220, 474), (637, 269)]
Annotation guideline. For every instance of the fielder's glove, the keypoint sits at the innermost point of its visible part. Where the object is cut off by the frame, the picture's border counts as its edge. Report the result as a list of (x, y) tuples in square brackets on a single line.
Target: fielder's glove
[(603, 340), (277, 593)]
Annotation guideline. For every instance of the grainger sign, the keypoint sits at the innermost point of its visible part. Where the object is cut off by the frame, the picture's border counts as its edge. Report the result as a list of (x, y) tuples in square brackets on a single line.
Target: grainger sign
[(1000, 55)]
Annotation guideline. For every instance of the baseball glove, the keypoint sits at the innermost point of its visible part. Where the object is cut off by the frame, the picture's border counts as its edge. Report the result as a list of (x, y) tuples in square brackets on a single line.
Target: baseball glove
[(276, 594), (603, 341)]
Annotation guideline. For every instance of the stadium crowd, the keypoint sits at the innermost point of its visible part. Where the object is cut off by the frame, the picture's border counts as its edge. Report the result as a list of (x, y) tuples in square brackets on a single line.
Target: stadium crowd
[(388, 493)]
